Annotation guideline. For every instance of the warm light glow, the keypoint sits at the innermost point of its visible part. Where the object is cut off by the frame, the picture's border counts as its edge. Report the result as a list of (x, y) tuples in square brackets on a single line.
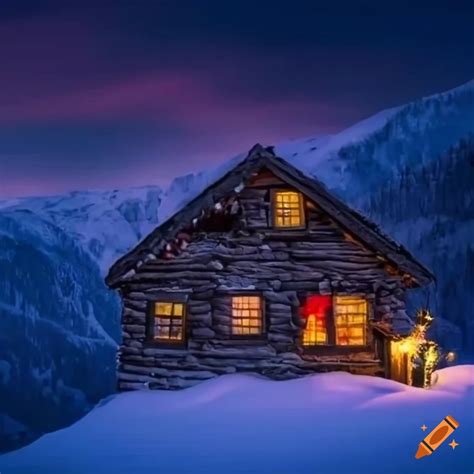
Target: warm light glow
[(451, 356), (350, 317), (408, 346), (246, 316), (431, 359), (168, 324), (315, 311), (315, 331), (416, 345), (288, 209)]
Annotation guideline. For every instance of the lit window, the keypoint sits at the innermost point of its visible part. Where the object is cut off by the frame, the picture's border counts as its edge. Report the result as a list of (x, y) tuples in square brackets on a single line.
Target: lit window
[(350, 317), (315, 312), (246, 316), (288, 209), (168, 321)]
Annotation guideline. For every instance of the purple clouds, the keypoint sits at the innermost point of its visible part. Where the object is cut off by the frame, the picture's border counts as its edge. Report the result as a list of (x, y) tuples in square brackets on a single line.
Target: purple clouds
[(104, 96)]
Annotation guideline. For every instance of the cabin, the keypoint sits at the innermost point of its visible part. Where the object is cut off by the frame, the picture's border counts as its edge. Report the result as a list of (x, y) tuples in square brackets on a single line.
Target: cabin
[(265, 271)]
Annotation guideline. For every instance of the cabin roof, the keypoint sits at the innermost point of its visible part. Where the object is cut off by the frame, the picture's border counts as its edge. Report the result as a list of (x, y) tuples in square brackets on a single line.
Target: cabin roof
[(233, 182)]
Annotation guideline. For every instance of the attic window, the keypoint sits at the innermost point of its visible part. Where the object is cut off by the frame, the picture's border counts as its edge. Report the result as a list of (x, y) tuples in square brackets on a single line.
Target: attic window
[(247, 316), (288, 209), (168, 322)]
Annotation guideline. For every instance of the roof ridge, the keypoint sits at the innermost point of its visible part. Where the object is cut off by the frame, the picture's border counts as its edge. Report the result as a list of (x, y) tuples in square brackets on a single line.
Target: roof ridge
[(232, 182)]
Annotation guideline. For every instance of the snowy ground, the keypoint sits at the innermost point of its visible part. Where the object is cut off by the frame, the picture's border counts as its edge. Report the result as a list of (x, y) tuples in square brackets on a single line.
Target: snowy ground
[(328, 423)]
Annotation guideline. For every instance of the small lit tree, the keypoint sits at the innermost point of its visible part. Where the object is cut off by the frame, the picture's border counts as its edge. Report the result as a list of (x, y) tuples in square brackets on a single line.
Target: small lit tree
[(422, 353)]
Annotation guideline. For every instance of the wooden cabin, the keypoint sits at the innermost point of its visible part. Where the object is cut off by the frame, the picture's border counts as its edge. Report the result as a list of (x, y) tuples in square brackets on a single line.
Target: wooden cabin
[(264, 272)]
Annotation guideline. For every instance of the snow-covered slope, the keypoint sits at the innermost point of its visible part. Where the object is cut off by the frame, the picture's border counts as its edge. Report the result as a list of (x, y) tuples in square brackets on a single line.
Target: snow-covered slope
[(106, 223), (325, 424), (310, 153), (58, 325), (430, 209), (374, 151)]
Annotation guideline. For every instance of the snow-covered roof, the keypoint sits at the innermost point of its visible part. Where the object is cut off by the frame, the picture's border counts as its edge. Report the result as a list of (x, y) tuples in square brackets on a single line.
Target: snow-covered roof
[(232, 182)]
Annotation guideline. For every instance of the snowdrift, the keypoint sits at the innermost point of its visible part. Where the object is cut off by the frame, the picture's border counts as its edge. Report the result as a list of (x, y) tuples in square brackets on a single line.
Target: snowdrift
[(326, 423)]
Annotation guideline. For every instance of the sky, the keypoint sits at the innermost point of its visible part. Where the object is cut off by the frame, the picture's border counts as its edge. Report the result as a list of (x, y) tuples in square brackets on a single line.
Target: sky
[(109, 94)]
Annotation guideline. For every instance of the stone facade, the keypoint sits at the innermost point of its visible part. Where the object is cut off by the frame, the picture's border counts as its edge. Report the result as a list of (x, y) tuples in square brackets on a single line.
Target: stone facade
[(249, 256)]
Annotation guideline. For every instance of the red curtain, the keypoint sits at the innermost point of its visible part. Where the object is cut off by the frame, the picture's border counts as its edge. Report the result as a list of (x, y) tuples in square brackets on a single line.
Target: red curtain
[(318, 305)]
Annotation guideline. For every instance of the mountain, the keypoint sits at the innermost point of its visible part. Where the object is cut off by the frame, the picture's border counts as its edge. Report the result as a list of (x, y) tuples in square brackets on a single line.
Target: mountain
[(365, 156), (58, 327), (105, 223), (108, 223), (430, 208)]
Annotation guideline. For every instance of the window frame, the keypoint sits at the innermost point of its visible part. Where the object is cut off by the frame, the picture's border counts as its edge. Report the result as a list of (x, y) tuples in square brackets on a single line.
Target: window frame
[(175, 298), (273, 204), (365, 325), (263, 317), (331, 347)]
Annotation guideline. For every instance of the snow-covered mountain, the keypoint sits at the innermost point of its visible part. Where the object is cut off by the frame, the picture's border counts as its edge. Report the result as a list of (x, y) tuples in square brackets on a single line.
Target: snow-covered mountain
[(370, 153), (58, 326), (430, 208), (106, 223)]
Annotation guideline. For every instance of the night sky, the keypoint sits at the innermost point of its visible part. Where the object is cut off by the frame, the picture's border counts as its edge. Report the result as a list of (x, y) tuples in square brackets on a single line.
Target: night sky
[(108, 94)]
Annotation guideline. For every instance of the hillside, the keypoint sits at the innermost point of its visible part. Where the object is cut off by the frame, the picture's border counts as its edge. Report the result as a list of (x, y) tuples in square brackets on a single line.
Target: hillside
[(58, 326), (367, 155), (323, 423), (430, 209)]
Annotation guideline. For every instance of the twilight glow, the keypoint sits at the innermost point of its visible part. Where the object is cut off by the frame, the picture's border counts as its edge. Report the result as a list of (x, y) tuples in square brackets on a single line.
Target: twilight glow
[(139, 92)]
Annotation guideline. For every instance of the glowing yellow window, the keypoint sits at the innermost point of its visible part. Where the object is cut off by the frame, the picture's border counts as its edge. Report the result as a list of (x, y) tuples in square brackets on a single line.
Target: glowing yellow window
[(246, 315), (288, 209), (168, 321), (350, 317)]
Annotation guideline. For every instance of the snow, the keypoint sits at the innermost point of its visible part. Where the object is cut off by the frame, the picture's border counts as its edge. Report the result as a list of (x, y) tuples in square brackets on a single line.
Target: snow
[(325, 423), (309, 153)]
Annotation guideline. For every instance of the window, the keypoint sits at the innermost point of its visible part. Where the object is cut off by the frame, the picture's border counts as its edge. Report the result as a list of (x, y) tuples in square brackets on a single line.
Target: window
[(246, 316), (315, 331), (168, 322), (350, 317), (340, 321), (315, 312), (288, 209)]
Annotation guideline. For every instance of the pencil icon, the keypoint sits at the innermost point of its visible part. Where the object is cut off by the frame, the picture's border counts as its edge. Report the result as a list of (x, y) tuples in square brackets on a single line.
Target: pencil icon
[(437, 437)]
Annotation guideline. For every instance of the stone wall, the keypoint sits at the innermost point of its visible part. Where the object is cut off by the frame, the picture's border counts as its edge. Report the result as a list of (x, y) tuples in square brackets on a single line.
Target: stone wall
[(282, 266)]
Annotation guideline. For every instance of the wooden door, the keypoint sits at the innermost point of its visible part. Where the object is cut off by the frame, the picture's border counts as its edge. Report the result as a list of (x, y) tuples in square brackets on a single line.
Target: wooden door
[(399, 364)]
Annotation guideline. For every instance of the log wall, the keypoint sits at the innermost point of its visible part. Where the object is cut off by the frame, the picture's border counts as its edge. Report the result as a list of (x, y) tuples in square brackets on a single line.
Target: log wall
[(280, 265)]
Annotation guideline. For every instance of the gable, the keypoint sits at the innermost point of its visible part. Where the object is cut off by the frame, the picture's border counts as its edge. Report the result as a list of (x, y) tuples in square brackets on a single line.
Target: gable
[(263, 170)]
